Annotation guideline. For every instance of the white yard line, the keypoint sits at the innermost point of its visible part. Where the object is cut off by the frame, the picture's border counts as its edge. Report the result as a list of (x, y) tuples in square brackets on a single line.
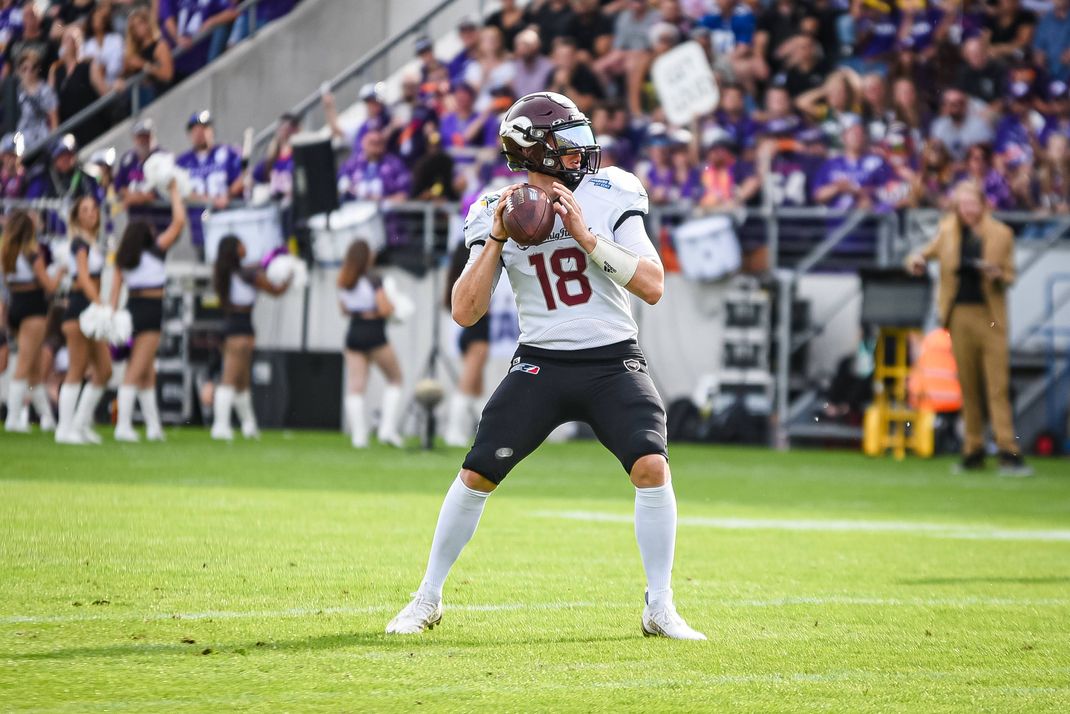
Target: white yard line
[(962, 602), (933, 530)]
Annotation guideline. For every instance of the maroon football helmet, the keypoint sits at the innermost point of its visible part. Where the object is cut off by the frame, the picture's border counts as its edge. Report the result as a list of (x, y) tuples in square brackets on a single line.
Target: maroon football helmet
[(541, 128)]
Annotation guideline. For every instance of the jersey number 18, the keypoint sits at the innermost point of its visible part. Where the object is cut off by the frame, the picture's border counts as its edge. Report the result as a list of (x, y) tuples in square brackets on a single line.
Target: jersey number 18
[(567, 265)]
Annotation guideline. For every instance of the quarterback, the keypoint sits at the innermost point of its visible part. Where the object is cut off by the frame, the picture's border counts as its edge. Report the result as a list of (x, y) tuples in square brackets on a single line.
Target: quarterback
[(578, 358)]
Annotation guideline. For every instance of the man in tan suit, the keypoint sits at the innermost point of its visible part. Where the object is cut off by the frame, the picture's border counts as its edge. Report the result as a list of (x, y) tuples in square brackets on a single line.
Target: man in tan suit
[(976, 256)]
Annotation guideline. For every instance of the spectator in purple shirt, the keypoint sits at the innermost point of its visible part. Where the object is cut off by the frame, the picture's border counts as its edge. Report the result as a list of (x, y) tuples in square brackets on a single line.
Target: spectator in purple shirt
[(1017, 131), (374, 174), (376, 116), (851, 181), (1057, 120), (215, 170), (277, 167), (468, 30), (733, 117), (130, 176), (183, 20), (980, 170)]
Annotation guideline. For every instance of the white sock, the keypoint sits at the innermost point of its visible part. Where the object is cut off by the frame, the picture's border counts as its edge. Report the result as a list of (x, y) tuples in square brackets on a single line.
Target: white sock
[(87, 406), (459, 424), (457, 523), (243, 407), (149, 410), (42, 405), (388, 426), (68, 402), (16, 395), (358, 430), (124, 420), (221, 404), (655, 530)]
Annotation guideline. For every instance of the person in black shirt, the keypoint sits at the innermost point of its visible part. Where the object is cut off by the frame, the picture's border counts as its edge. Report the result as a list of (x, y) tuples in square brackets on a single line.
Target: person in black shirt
[(553, 18), (1010, 29), (591, 29), (571, 78), (781, 21), (510, 19)]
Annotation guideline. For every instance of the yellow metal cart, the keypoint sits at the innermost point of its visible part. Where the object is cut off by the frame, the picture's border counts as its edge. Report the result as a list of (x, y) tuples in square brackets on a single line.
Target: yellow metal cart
[(896, 305)]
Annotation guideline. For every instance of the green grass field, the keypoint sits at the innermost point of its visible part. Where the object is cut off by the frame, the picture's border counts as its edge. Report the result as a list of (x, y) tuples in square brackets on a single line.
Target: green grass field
[(194, 576)]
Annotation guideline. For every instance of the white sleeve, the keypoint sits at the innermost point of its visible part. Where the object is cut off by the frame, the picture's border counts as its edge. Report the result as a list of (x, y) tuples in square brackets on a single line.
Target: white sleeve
[(631, 234), (479, 220), (630, 197), (475, 251)]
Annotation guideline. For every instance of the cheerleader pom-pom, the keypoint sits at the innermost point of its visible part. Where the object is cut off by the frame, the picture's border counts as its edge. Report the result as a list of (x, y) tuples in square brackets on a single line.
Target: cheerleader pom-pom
[(95, 322), (285, 267), (404, 307), (160, 170), (121, 328)]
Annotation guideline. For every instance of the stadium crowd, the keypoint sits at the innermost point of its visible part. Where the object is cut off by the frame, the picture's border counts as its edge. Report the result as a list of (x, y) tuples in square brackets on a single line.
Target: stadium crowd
[(851, 105), (57, 57)]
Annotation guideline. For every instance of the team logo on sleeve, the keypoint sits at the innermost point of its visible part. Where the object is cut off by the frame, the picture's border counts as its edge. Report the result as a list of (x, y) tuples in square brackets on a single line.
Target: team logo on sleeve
[(525, 368)]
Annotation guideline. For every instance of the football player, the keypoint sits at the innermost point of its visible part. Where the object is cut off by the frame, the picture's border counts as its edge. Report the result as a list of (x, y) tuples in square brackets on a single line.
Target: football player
[(578, 358)]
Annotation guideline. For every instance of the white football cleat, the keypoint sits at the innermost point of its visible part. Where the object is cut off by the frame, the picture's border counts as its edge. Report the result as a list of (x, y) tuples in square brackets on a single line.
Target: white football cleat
[(662, 620), (417, 616), (249, 430), (151, 435), (69, 436), (90, 436), (224, 433), (127, 434)]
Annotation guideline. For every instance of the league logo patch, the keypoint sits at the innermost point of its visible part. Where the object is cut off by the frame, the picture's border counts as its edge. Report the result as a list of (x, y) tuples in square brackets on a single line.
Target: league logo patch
[(525, 368), (632, 365), (601, 183)]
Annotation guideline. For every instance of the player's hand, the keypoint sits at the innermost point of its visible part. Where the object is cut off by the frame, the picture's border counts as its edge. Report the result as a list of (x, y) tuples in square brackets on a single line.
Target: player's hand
[(566, 206), (497, 226), (992, 271), (916, 265)]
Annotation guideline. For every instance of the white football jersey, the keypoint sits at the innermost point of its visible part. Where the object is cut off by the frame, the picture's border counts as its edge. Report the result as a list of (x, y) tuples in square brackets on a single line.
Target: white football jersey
[(563, 300)]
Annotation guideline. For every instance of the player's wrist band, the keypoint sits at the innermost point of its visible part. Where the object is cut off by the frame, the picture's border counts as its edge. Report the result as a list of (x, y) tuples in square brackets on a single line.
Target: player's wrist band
[(497, 240), (617, 262)]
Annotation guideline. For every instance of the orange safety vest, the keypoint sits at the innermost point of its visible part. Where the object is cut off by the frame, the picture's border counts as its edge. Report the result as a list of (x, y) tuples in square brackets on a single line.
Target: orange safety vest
[(934, 378)]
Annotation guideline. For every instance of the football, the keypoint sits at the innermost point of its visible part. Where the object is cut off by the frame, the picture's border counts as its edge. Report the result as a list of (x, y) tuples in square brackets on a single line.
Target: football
[(529, 215)]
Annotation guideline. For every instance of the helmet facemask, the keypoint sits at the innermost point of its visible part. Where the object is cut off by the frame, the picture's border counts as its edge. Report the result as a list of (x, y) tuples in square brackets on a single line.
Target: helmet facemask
[(541, 149)]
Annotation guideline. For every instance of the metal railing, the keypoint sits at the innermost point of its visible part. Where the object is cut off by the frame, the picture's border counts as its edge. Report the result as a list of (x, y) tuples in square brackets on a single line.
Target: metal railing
[(133, 83)]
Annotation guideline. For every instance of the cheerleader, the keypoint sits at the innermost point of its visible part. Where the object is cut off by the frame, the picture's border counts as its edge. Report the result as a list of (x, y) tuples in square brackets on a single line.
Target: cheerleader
[(87, 357), (25, 264), (475, 347), (363, 299), (139, 263), (237, 287)]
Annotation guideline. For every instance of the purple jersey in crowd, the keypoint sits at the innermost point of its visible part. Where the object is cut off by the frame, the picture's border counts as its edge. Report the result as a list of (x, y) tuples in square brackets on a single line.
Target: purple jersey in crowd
[(280, 176), (1054, 125), (664, 183), (190, 16), (922, 27), (742, 130), (997, 190), (880, 30), (10, 24), (131, 172), (790, 176), (870, 172), (12, 185), (210, 173), (372, 180), (1014, 140)]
